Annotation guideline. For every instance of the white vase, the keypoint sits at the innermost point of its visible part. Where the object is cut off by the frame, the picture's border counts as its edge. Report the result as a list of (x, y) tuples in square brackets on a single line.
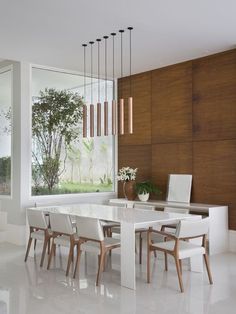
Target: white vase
[(143, 197)]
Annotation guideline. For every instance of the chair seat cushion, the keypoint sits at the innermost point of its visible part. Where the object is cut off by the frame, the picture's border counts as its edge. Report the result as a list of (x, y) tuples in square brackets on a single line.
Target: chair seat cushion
[(92, 246), (186, 249), (64, 240)]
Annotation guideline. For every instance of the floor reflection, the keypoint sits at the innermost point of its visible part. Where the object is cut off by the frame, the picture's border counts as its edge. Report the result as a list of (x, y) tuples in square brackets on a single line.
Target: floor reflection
[(25, 288)]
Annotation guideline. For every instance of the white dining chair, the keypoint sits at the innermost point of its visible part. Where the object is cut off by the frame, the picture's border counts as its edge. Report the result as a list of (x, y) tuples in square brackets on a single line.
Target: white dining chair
[(91, 239), (179, 247), (38, 231), (63, 234)]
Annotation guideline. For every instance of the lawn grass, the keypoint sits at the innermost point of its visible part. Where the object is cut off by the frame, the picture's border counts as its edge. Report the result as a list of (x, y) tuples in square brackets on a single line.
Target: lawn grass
[(70, 188)]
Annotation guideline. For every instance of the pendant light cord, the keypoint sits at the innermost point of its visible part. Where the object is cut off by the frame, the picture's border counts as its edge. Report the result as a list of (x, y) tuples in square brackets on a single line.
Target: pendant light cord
[(130, 57), (91, 43), (113, 62), (121, 52), (105, 37), (98, 41), (84, 45)]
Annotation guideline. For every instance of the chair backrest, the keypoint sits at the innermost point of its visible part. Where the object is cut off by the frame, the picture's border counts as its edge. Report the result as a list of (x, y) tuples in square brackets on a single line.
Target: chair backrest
[(89, 228), (61, 223), (36, 218), (176, 210), (144, 206), (179, 188), (190, 228)]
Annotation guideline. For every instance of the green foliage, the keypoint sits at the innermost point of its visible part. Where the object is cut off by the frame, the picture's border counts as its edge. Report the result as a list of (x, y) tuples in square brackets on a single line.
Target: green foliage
[(89, 148), (56, 115), (7, 117), (147, 187), (105, 179), (72, 187), (5, 169)]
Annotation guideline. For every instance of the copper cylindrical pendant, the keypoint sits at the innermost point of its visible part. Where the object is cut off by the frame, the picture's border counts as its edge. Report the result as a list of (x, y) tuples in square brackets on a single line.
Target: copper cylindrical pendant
[(105, 118), (91, 120), (84, 121), (113, 117), (99, 119), (130, 115), (121, 116)]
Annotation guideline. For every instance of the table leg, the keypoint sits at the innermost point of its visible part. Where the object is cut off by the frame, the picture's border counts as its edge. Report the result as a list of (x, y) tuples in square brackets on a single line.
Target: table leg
[(127, 235)]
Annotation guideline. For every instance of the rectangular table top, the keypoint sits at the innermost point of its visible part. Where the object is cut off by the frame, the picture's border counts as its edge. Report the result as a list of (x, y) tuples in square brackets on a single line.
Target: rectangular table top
[(117, 214)]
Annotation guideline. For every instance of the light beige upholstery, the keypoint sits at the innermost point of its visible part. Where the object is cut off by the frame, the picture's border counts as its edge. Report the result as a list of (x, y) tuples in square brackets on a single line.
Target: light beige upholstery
[(186, 249), (61, 223), (90, 228)]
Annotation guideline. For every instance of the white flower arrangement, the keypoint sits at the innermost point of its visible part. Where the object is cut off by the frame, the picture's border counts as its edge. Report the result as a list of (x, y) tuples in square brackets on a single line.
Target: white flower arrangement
[(127, 174)]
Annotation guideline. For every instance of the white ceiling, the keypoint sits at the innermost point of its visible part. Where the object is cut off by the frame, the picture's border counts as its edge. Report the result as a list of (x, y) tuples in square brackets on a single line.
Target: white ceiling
[(51, 32)]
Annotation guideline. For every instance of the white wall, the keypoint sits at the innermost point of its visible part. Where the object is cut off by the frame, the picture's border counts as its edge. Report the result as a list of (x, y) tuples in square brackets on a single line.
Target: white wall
[(21, 198)]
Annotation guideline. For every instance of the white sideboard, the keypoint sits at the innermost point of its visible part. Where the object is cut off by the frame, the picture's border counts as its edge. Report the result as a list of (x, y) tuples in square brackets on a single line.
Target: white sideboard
[(218, 232)]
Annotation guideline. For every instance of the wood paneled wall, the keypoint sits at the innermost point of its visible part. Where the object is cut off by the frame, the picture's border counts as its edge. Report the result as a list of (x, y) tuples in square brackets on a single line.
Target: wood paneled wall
[(185, 122)]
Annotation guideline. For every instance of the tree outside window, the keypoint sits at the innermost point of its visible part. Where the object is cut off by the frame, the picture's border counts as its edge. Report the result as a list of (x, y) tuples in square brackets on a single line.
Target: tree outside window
[(62, 161)]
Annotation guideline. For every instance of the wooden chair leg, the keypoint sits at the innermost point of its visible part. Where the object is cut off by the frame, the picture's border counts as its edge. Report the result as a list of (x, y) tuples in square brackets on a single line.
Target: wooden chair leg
[(104, 261), (69, 259), (154, 252), (180, 265), (140, 248), (72, 256), (35, 242), (51, 254), (28, 248), (49, 242), (44, 251), (77, 264), (166, 262), (179, 274), (101, 261), (148, 263), (208, 268)]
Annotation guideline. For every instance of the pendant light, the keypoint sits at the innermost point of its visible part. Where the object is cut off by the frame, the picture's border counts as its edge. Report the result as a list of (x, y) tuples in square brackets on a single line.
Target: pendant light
[(117, 107), (99, 113), (114, 109), (84, 106), (105, 102), (91, 92), (121, 100), (130, 99)]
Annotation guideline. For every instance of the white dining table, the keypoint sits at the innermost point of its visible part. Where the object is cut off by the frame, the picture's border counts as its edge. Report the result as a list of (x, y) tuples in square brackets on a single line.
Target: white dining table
[(129, 219)]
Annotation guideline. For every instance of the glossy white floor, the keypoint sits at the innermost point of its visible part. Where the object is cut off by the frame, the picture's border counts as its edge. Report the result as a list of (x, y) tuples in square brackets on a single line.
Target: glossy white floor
[(27, 289)]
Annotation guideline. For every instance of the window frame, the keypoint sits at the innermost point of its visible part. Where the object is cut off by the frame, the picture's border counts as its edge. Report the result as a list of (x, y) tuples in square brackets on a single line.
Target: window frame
[(70, 196), (4, 69)]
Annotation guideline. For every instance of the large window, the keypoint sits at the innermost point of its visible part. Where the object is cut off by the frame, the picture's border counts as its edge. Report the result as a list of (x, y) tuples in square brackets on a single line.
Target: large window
[(62, 160), (5, 130)]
